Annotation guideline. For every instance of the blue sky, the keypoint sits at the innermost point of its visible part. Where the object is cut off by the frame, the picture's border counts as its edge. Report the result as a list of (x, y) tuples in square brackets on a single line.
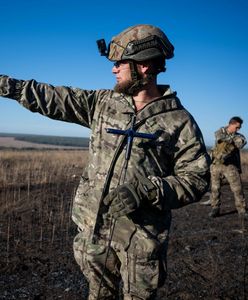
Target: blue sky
[(55, 42)]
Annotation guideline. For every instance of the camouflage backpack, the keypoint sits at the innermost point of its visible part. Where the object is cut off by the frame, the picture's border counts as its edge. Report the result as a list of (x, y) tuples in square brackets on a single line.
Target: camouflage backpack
[(222, 151)]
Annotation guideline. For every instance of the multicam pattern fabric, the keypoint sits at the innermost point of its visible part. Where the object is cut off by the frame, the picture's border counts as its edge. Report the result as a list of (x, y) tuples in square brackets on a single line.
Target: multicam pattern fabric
[(119, 43), (143, 267), (226, 164), (230, 172), (227, 146), (222, 151), (176, 162)]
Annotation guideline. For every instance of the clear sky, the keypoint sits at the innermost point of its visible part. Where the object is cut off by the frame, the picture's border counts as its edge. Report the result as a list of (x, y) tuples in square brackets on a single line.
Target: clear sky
[(55, 42)]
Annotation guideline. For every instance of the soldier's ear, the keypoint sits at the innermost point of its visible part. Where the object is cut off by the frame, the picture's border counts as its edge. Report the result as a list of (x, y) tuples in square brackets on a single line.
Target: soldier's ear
[(143, 67)]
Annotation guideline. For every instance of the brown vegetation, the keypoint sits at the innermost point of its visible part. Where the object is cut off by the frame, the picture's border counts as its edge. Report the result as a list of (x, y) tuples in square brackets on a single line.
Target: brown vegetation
[(207, 259), (244, 163), (36, 231)]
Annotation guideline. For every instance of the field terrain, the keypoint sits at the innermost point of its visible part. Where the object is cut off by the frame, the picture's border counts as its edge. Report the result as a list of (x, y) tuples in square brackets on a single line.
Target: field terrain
[(207, 258), (32, 141)]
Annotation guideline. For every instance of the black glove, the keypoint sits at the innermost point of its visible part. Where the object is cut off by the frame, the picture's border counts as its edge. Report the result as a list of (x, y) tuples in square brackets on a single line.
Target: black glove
[(127, 197)]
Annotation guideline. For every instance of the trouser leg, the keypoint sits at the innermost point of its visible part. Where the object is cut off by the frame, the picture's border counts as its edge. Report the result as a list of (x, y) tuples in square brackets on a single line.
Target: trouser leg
[(143, 267), (91, 259), (235, 183), (215, 186)]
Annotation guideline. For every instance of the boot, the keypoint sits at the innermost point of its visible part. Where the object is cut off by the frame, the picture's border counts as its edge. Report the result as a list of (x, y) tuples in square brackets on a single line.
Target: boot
[(215, 212)]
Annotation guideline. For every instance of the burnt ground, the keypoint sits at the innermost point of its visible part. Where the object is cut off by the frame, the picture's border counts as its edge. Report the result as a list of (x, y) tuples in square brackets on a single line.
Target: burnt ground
[(207, 258)]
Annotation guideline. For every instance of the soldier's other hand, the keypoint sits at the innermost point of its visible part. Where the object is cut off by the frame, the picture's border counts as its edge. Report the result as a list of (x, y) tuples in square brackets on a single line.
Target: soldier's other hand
[(126, 198)]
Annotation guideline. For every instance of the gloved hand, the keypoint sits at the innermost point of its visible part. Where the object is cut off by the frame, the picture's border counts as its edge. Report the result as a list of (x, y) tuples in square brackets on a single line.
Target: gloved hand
[(127, 197)]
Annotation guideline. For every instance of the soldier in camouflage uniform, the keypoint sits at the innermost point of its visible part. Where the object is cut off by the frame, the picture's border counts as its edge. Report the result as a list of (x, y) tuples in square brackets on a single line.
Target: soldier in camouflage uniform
[(162, 174), (226, 164)]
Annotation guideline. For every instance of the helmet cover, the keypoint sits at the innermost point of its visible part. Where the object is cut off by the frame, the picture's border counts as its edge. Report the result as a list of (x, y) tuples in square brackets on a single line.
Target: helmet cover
[(140, 43)]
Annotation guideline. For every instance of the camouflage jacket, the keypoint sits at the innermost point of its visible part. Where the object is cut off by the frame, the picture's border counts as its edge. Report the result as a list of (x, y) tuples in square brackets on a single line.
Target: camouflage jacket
[(227, 147), (177, 161)]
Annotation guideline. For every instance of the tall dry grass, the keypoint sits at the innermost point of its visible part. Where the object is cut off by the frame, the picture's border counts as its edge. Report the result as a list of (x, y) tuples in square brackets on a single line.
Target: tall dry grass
[(40, 172), (37, 188), (39, 166), (36, 193), (244, 163)]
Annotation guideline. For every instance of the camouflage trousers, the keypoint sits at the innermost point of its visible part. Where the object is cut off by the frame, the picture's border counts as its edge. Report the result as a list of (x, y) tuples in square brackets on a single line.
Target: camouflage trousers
[(141, 269), (232, 176)]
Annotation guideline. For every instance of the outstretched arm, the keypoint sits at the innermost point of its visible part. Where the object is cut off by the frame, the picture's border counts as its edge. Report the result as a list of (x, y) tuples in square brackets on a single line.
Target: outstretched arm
[(59, 103)]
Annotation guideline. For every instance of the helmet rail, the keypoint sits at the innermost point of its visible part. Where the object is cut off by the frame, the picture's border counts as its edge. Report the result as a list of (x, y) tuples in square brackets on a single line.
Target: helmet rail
[(137, 43)]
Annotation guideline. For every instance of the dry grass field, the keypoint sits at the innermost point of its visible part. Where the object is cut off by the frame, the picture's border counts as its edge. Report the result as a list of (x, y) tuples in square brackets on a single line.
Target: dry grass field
[(36, 231), (244, 162), (207, 258)]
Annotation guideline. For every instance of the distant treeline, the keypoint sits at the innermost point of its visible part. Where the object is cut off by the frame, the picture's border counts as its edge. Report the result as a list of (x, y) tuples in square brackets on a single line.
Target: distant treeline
[(50, 140)]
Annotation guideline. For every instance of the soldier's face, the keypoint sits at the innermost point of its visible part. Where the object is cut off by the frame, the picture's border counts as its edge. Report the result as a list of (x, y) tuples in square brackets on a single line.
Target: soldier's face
[(234, 127), (121, 70), (123, 77)]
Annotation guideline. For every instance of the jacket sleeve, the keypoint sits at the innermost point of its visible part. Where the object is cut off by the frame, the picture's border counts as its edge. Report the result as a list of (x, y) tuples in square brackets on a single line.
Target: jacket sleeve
[(190, 176), (239, 140), (59, 103)]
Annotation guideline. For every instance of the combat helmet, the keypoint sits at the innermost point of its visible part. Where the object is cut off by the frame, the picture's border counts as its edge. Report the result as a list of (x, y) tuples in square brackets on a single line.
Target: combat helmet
[(140, 43)]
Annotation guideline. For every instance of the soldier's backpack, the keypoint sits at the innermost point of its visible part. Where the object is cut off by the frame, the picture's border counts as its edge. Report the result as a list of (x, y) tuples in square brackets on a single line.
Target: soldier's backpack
[(222, 151)]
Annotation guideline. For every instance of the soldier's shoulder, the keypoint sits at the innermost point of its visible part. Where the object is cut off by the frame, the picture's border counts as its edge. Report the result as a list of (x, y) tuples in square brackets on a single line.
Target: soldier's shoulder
[(221, 129)]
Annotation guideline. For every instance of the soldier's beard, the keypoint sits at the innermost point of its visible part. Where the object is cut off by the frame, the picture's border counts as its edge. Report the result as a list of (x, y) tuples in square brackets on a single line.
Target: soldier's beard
[(124, 87), (131, 87)]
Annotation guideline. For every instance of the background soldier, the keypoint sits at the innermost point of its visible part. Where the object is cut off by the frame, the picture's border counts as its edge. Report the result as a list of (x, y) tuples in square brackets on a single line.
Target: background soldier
[(226, 163), (162, 174)]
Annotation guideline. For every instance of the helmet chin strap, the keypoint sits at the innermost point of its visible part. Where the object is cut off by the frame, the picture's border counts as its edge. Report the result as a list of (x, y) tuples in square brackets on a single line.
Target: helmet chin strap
[(134, 71), (138, 81)]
